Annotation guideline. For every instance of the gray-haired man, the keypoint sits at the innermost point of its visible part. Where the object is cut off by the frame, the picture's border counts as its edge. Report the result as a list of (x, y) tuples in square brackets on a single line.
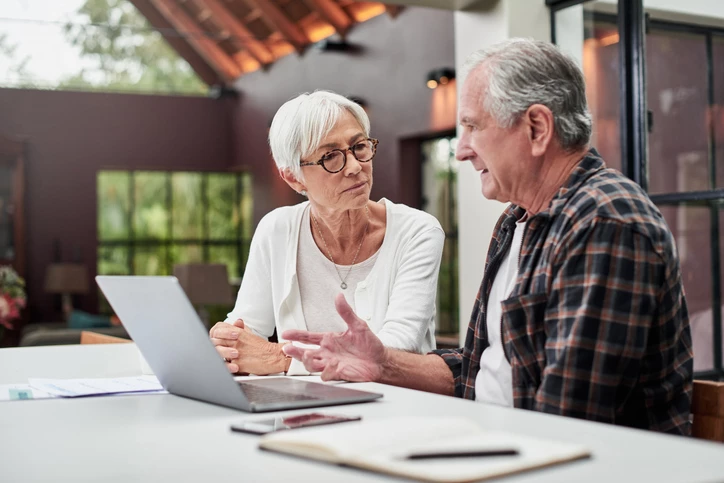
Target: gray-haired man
[(581, 311)]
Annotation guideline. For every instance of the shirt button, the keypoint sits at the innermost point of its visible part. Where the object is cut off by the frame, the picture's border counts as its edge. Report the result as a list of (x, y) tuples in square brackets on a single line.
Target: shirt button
[(368, 318)]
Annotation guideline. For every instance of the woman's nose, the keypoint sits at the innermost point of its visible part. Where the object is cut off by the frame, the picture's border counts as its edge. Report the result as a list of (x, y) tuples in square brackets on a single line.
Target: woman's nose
[(352, 166)]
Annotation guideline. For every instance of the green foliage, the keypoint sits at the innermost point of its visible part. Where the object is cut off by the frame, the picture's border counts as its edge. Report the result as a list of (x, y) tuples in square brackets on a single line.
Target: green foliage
[(124, 53), (11, 284), (136, 211), (17, 71)]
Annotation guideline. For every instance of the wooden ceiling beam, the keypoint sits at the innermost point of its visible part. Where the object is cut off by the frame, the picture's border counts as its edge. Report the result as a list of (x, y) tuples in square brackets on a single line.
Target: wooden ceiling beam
[(179, 44), (227, 21), (281, 23), (199, 40), (331, 13)]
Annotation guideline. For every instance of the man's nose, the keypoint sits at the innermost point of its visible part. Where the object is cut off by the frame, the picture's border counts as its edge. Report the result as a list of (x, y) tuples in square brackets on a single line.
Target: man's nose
[(463, 151)]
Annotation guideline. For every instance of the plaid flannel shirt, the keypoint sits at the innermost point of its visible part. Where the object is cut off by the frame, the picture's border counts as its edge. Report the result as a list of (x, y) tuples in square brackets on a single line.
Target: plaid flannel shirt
[(596, 326)]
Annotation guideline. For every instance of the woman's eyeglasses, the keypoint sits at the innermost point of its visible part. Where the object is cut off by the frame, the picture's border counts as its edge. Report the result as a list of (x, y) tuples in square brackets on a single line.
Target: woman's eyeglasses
[(335, 160)]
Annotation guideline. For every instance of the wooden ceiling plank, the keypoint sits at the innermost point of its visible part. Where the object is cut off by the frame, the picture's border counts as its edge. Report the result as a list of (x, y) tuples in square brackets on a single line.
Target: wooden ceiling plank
[(331, 13), (229, 22), (200, 65), (197, 38), (281, 23)]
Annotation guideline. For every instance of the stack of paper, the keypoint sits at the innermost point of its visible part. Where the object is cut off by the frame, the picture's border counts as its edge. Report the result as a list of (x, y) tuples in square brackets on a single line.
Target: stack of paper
[(48, 388)]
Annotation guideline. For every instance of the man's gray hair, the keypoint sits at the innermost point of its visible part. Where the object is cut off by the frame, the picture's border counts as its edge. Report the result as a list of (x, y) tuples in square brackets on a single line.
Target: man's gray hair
[(301, 124), (523, 72)]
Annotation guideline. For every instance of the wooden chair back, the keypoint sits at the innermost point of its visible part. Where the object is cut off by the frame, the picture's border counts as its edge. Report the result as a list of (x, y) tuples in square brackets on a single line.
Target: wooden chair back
[(707, 409), (88, 337)]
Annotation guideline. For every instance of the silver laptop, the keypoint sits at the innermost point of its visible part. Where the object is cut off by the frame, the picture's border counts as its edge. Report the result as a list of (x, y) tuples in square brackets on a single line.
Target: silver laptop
[(167, 330)]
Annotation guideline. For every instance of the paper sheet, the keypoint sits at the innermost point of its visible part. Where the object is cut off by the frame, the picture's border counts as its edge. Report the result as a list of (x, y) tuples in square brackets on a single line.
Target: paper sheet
[(97, 387), (21, 392)]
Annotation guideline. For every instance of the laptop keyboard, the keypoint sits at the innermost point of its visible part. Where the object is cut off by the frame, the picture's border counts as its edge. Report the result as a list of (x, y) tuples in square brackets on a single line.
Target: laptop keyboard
[(264, 395)]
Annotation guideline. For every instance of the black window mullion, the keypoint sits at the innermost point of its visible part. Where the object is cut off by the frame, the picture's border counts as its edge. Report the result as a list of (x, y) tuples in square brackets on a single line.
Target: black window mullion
[(169, 226), (206, 235), (632, 57), (131, 229), (240, 246), (711, 106)]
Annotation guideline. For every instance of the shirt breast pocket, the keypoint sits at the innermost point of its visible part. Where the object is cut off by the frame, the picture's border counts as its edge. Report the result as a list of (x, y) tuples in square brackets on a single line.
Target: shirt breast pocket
[(523, 325)]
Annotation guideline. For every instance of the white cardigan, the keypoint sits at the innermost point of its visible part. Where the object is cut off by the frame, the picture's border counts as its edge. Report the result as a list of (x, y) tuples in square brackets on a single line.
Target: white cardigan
[(397, 299)]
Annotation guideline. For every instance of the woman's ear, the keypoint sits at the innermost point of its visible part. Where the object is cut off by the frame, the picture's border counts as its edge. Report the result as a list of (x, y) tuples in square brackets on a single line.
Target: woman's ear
[(292, 181)]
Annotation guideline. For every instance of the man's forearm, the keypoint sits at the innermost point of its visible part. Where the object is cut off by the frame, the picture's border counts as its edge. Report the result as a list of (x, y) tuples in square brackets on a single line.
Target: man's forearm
[(423, 372)]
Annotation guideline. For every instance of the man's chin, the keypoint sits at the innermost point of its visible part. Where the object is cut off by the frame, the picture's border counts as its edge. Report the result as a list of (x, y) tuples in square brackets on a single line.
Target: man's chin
[(489, 193)]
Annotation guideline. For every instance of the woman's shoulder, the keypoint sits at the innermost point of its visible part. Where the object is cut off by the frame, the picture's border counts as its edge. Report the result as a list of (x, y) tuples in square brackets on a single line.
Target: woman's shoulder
[(281, 219), (407, 219)]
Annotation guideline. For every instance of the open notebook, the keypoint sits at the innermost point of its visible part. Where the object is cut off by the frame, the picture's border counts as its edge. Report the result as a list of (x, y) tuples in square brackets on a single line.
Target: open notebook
[(384, 445)]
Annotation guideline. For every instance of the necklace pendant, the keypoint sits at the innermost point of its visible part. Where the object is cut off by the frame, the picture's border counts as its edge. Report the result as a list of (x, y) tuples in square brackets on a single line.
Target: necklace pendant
[(343, 285)]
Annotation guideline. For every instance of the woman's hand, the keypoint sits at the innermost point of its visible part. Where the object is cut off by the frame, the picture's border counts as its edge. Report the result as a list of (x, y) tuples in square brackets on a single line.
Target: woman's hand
[(246, 352)]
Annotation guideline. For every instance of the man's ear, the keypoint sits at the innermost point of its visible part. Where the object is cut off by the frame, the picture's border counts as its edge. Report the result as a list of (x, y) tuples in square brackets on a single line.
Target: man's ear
[(541, 128), (292, 181)]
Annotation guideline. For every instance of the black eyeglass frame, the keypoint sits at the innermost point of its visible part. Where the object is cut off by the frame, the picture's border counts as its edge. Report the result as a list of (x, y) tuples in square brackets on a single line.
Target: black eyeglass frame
[(350, 149)]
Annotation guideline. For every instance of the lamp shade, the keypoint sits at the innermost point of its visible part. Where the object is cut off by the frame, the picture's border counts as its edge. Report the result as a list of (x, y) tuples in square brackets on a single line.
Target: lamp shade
[(66, 278), (204, 283)]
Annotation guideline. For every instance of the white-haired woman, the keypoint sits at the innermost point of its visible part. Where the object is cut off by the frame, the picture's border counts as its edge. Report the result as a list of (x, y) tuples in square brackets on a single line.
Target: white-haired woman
[(384, 257)]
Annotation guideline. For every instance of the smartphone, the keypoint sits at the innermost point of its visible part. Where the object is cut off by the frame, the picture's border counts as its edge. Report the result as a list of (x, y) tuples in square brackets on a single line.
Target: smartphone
[(265, 426)]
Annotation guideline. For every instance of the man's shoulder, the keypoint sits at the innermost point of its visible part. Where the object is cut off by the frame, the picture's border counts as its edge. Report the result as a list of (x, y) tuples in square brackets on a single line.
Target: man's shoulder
[(608, 196)]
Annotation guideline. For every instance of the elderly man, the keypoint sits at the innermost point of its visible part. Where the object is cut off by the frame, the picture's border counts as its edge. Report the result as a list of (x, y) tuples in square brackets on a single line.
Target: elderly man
[(581, 311)]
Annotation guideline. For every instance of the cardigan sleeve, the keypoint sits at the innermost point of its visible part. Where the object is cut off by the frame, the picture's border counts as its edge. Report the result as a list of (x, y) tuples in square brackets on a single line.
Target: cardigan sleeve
[(410, 315), (254, 302)]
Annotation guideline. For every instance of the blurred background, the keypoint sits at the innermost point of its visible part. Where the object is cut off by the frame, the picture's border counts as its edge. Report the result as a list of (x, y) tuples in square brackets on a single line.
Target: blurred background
[(133, 134)]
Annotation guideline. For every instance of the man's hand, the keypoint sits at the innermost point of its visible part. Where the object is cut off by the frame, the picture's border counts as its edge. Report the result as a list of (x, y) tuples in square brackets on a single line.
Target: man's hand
[(246, 352), (354, 355)]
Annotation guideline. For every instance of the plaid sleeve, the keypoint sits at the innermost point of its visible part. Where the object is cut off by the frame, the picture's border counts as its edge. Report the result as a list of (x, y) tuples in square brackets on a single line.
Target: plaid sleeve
[(601, 305), (454, 360)]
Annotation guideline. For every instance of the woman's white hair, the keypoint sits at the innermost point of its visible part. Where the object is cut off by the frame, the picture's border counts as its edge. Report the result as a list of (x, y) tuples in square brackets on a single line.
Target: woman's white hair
[(523, 72), (302, 123)]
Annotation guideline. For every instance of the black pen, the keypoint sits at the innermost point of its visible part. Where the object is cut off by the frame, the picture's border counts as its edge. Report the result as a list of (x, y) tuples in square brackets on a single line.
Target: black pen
[(463, 454)]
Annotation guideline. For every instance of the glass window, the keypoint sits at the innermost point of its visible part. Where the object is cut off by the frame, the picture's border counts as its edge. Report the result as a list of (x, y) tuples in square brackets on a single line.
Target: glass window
[(187, 205), (676, 71), (684, 56), (439, 188), (690, 226), (104, 45), (150, 221), (717, 110), (588, 33)]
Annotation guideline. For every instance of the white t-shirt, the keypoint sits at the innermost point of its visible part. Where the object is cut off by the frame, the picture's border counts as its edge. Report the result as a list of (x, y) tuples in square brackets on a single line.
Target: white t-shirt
[(319, 282), (494, 382)]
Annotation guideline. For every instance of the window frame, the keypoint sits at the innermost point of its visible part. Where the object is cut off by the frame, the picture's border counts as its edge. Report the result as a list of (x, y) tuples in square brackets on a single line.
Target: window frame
[(239, 242), (633, 25)]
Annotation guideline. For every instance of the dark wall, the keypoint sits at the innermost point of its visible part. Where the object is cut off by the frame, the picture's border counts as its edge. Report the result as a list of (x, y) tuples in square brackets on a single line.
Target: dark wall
[(389, 74), (72, 135)]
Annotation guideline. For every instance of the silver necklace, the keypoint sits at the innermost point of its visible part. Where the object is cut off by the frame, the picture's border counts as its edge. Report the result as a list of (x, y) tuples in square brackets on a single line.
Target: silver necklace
[(343, 285)]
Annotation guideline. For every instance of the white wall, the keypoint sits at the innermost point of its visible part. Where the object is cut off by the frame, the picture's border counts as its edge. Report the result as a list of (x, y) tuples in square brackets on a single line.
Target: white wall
[(476, 215)]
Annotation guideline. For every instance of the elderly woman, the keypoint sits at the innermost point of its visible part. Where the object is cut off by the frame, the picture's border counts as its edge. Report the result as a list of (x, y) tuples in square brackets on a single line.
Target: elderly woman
[(384, 257)]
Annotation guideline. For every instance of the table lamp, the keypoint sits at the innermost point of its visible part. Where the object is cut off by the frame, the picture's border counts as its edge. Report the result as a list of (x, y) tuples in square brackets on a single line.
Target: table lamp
[(205, 284), (66, 279)]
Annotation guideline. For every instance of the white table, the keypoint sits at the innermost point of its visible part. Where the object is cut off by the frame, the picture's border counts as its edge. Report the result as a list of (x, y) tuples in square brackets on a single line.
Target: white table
[(159, 438)]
